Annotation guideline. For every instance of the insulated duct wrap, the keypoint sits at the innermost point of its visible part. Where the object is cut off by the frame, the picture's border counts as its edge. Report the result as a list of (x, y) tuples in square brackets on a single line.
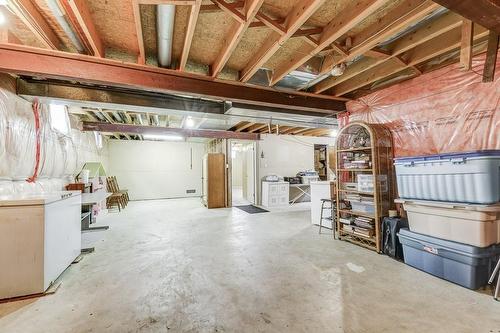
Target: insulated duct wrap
[(61, 156), (447, 110)]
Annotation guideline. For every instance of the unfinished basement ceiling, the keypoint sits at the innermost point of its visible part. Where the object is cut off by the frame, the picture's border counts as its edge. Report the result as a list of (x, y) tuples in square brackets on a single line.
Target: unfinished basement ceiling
[(220, 38)]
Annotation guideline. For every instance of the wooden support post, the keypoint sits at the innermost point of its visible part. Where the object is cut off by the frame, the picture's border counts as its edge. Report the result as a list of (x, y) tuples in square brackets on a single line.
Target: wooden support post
[(466, 44), (491, 57)]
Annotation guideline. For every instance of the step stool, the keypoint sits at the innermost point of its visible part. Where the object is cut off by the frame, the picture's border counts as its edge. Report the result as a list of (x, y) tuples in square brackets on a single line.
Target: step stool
[(332, 218)]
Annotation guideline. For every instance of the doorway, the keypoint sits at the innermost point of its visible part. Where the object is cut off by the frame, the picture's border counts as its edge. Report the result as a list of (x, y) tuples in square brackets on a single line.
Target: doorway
[(242, 173)]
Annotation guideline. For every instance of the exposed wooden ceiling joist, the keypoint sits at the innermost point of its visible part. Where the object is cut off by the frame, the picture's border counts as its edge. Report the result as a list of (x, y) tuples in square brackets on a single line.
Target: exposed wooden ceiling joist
[(195, 9), (256, 127), (408, 12), (295, 19), (243, 127), (81, 12), (235, 35), (483, 12), (188, 39), (23, 60), (426, 51), (33, 19), (7, 36), (340, 25), (423, 34), (156, 130), (231, 9)]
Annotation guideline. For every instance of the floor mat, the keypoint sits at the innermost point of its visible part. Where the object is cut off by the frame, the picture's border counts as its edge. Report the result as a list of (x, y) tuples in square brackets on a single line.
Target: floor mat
[(251, 209)]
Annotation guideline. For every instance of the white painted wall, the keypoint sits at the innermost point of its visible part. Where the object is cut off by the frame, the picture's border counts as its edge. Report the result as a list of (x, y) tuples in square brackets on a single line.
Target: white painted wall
[(237, 167), (157, 169), (285, 155)]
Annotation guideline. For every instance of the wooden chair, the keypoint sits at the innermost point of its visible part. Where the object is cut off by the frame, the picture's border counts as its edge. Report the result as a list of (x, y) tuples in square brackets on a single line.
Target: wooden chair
[(117, 198), (125, 192)]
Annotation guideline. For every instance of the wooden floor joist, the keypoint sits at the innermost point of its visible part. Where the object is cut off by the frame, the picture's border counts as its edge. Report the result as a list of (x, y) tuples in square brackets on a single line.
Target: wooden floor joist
[(426, 51), (341, 24), (431, 30), (294, 21)]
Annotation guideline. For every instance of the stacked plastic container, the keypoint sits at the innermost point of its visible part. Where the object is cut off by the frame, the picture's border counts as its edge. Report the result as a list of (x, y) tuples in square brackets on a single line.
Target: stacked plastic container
[(452, 203)]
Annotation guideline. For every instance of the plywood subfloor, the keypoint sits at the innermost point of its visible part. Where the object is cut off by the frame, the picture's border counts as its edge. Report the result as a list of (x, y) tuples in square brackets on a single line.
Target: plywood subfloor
[(114, 21), (251, 42)]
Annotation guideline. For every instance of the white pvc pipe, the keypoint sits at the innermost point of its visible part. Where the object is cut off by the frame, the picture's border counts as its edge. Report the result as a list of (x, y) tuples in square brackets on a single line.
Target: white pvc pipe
[(165, 25)]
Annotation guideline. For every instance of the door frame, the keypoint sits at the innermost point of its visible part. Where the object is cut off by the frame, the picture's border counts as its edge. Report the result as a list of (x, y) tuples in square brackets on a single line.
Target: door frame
[(229, 189)]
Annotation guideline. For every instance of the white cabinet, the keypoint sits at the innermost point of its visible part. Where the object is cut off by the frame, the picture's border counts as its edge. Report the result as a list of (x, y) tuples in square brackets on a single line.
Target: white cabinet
[(40, 236), (275, 194)]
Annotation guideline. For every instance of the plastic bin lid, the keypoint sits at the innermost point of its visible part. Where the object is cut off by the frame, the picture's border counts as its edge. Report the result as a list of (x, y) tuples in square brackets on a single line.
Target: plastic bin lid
[(476, 153), (459, 248)]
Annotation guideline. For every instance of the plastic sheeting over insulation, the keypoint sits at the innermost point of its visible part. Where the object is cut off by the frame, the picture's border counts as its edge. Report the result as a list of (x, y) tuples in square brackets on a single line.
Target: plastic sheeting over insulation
[(61, 156), (444, 111)]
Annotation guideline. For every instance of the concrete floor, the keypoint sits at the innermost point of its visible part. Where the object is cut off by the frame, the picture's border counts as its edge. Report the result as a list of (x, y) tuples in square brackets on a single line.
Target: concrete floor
[(174, 266)]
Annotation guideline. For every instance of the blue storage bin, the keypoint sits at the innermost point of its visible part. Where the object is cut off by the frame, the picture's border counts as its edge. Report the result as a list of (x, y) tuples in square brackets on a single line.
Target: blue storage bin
[(472, 177), (463, 264)]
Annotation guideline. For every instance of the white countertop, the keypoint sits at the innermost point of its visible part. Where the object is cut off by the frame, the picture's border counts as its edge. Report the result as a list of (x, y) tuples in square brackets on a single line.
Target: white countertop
[(36, 198), (323, 182)]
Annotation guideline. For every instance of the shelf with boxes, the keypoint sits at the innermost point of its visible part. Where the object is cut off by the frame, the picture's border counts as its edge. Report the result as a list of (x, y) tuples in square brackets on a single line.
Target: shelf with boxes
[(364, 174)]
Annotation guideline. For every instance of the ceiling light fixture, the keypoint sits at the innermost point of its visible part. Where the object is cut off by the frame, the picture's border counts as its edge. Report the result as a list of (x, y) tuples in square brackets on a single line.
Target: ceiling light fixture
[(338, 70), (189, 122), (163, 137)]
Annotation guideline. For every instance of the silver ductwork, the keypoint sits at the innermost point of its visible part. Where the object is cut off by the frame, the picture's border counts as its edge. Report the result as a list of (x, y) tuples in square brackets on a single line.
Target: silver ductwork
[(165, 15), (60, 17)]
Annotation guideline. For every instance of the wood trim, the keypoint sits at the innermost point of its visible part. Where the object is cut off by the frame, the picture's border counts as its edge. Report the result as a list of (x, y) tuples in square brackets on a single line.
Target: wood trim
[(340, 25), (193, 18), (235, 35), (295, 19), (28, 13), (157, 130), (82, 15)]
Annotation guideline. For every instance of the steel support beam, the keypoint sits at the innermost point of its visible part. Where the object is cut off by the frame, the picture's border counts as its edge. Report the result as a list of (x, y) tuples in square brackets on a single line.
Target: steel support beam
[(155, 130), (115, 99), (33, 62)]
